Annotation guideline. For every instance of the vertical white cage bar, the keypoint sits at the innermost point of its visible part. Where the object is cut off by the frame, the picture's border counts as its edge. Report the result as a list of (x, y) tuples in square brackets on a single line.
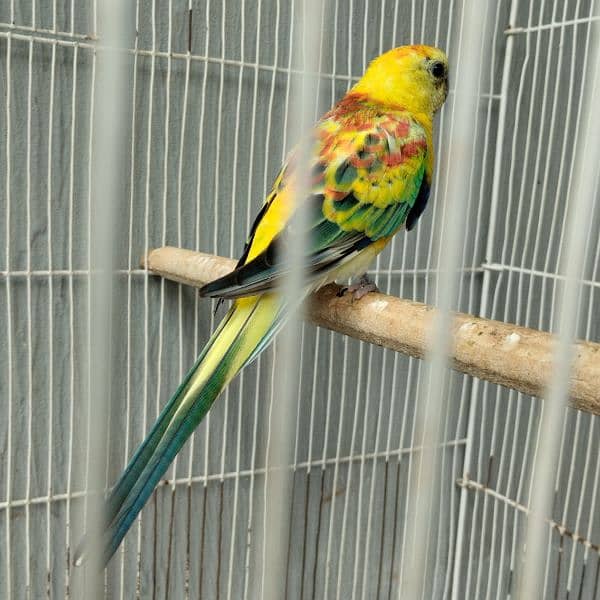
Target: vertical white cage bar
[(280, 446), (450, 229), (9, 337), (587, 158), (106, 141), (485, 294)]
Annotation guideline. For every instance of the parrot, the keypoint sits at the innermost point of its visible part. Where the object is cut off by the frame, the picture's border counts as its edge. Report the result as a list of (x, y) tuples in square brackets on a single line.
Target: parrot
[(368, 166)]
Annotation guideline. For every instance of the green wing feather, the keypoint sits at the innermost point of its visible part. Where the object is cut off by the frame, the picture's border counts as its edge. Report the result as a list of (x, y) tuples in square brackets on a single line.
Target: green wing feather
[(367, 174)]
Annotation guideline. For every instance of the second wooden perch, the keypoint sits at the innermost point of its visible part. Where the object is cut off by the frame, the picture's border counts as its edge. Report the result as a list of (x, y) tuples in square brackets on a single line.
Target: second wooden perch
[(516, 357)]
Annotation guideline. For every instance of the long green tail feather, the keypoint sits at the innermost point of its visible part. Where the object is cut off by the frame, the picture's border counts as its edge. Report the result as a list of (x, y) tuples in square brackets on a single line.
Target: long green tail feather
[(247, 328)]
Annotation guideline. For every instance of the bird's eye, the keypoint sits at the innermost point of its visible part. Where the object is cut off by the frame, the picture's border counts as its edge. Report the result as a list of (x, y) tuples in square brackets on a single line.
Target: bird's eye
[(438, 70)]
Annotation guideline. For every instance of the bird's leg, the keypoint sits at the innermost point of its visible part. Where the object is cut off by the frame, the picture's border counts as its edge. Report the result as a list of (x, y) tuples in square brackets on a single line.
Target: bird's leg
[(361, 288), (218, 305)]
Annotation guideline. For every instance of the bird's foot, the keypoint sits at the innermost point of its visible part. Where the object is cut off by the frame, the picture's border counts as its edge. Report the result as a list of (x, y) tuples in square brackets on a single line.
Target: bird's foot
[(359, 289)]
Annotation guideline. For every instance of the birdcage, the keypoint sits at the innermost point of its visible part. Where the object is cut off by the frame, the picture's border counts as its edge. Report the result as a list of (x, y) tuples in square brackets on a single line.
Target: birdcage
[(330, 467)]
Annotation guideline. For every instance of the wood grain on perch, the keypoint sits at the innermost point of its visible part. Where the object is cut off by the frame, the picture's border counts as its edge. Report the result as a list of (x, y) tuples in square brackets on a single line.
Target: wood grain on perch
[(516, 357)]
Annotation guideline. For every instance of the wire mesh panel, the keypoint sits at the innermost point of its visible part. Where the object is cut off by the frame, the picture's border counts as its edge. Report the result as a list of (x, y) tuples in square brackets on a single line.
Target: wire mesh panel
[(549, 45), (207, 113)]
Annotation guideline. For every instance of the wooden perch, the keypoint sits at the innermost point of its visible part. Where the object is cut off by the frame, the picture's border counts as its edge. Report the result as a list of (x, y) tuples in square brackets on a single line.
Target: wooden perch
[(512, 356)]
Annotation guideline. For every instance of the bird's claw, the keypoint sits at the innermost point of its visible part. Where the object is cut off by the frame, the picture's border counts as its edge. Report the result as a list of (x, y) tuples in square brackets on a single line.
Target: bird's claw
[(359, 289)]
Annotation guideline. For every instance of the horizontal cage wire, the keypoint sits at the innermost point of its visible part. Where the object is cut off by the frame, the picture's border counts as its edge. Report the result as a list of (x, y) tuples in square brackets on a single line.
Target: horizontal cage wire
[(208, 106)]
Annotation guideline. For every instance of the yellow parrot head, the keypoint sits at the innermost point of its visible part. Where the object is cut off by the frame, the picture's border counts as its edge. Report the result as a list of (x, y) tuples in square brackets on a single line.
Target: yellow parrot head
[(414, 78)]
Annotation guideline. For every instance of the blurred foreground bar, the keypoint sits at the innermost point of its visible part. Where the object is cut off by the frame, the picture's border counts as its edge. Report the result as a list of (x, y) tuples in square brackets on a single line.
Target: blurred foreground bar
[(512, 356)]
